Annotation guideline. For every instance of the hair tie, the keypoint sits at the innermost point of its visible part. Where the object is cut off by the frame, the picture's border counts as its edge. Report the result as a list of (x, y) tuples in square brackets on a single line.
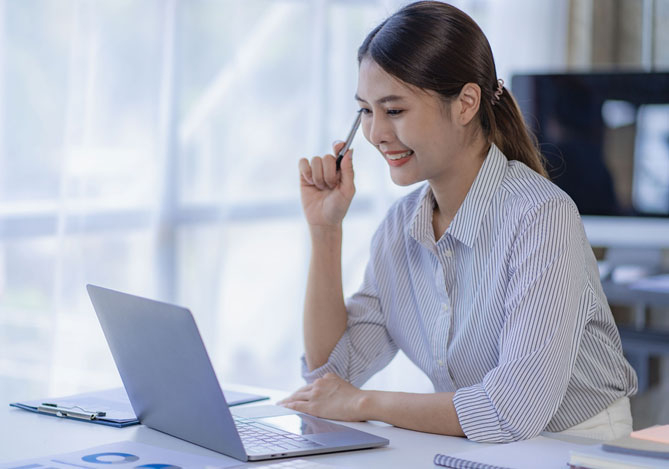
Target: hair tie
[(497, 94)]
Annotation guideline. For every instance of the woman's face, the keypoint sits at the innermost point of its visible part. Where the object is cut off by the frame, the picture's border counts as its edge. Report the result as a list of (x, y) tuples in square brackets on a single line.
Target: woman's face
[(412, 128)]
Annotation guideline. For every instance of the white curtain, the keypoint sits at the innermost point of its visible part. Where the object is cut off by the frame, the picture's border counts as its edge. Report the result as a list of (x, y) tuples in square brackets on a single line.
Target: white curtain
[(152, 147)]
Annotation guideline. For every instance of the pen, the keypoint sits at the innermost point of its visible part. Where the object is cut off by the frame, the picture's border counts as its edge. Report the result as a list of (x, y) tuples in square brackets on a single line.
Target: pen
[(51, 408), (349, 139)]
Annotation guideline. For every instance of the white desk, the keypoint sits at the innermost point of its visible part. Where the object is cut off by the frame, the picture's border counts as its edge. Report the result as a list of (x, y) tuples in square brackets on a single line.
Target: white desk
[(24, 435)]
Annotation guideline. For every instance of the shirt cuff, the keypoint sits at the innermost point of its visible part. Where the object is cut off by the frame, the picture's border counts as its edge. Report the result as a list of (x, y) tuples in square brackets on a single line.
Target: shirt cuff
[(478, 417), (337, 363)]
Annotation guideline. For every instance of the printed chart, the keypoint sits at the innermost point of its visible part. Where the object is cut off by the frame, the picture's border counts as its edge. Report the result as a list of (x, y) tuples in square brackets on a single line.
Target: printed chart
[(125, 454)]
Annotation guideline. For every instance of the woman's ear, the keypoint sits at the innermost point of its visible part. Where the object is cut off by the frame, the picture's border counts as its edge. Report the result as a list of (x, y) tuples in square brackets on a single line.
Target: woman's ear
[(469, 101)]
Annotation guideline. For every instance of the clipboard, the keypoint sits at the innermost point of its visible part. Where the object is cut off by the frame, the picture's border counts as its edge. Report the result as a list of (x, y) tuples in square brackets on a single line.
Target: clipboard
[(109, 407)]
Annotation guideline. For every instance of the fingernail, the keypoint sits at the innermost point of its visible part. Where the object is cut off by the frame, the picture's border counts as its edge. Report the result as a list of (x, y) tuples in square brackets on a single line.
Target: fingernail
[(336, 142)]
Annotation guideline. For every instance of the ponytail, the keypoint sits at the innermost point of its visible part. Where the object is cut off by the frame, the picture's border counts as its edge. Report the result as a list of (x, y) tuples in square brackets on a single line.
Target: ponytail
[(508, 130)]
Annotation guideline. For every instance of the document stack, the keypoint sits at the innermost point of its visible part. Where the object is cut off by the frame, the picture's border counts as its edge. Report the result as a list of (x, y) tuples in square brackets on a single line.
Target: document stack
[(643, 449)]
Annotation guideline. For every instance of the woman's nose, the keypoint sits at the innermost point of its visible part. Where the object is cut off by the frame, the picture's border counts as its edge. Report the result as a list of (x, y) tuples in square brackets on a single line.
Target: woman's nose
[(379, 130)]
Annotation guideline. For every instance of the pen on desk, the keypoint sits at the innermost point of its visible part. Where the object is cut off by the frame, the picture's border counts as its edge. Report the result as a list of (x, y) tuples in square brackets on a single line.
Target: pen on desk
[(349, 139), (52, 408)]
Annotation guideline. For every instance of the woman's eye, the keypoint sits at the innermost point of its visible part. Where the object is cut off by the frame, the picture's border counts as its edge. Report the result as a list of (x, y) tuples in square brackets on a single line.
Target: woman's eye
[(365, 111), (394, 112)]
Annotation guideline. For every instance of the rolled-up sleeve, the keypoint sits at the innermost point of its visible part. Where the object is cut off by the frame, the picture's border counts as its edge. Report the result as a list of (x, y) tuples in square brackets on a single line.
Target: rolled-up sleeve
[(365, 347), (546, 309)]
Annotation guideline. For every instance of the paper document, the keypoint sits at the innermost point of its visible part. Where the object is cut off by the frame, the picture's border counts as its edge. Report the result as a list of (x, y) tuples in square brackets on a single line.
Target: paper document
[(125, 454), (596, 457)]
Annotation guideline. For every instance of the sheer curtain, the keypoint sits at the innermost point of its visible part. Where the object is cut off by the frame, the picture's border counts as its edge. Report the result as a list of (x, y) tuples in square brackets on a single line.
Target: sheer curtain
[(152, 147)]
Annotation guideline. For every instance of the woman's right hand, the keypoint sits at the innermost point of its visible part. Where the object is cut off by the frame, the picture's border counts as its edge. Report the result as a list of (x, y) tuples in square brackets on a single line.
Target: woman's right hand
[(326, 193)]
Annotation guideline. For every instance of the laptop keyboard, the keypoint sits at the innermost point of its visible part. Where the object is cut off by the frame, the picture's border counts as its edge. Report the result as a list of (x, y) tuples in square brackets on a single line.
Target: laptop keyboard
[(260, 439)]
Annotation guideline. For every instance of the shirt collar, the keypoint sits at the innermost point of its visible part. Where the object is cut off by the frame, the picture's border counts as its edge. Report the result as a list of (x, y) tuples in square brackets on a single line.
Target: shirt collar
[(420, 228), (467, 221)]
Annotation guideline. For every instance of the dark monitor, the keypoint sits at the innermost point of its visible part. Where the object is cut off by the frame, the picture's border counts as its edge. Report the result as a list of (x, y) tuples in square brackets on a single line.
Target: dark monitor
[(605, 137)]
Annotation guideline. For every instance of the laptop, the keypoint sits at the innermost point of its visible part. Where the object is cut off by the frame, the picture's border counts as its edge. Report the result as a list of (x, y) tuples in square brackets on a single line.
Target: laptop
[(173, 388)]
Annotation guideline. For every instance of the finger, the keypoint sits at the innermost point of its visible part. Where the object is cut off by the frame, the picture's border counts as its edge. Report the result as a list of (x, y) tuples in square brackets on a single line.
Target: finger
[(337, 145), (299, 395), (305, 388), (303, 396), (305, 171), (330, 171), (302, 406), (317, 172), (347, 176)]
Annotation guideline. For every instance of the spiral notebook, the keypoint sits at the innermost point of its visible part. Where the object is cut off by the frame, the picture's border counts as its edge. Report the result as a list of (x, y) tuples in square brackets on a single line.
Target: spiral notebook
[(542, 451)]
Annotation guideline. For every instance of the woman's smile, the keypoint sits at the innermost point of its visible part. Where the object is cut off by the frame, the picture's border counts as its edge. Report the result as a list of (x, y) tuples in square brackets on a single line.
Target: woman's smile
[(398, 158)]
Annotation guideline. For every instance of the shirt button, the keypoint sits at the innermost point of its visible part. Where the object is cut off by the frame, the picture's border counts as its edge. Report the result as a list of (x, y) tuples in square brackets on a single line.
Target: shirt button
[(448, 253), (440, 362), (444, 307)]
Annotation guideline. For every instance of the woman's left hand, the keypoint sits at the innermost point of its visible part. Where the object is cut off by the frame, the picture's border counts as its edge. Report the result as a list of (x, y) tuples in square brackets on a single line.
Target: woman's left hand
[(328, 397)]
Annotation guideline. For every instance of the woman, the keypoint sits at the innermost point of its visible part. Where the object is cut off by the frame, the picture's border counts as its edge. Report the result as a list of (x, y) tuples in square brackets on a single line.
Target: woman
[(483, 276)]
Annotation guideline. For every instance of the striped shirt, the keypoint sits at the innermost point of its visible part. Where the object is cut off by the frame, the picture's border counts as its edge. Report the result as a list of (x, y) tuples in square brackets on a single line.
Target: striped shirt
[(506, 309)]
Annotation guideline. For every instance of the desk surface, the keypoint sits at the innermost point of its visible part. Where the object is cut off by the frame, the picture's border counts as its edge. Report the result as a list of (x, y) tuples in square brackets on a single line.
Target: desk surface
[(24, 435)]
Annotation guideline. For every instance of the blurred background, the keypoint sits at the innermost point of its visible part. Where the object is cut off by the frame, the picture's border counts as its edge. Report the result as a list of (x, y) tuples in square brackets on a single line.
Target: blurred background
[(151, 146)]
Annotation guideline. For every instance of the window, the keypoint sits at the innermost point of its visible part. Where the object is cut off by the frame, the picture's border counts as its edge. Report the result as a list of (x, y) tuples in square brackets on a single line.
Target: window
[(152, 147)]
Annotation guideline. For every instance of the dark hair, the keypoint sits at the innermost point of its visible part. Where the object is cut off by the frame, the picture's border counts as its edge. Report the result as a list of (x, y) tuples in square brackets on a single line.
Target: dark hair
[(435, 46)]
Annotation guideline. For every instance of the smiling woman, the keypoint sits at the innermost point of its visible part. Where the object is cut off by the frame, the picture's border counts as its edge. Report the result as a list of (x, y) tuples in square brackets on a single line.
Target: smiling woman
[(483, 276)]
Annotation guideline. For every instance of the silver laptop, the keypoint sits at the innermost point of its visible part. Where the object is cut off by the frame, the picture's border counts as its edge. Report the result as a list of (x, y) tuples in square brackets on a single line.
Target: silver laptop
[(173, 388)]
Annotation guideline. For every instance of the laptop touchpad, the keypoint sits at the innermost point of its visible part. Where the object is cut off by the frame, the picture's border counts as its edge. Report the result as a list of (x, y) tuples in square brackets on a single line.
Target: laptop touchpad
[(301, 424)]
